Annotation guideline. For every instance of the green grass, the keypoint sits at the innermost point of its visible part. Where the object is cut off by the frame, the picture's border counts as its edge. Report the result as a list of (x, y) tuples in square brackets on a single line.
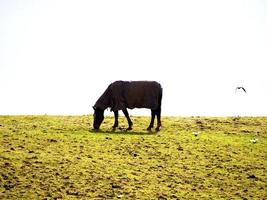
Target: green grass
[(60, 157)]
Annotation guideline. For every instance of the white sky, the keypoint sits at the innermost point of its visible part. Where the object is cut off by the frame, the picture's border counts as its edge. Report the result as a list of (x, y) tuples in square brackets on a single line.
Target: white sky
[(58, 56)]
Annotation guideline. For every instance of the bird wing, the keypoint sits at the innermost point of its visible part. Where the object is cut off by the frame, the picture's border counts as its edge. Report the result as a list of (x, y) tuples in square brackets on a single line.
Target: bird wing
[(244, 89)]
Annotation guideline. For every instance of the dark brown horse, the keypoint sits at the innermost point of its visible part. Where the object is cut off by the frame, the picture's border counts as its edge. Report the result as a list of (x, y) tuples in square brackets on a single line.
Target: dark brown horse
[(121, 95)]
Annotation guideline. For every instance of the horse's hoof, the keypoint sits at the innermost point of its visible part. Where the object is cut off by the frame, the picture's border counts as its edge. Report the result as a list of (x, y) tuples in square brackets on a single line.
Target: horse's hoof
[(129, 128), (157, 129), (149, 129)]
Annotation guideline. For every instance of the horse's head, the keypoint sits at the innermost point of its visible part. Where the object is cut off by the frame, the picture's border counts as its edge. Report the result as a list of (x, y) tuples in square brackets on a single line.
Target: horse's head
[(98, 117)]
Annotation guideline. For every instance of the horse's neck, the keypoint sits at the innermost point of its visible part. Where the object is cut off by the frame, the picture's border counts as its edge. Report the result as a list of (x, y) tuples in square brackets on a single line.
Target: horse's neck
[(104, 101)]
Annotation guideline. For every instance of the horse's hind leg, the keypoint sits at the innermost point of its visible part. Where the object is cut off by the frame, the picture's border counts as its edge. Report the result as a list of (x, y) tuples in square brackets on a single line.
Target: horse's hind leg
[(116, 122), (152, 120), (158, 113), (130, 123)]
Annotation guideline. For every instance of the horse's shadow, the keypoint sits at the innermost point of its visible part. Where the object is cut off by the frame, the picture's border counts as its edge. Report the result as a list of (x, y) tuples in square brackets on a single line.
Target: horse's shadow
[(123, 132)]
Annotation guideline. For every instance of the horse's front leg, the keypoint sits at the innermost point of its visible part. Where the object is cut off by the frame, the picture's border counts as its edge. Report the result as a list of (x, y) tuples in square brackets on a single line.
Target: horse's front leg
[(116, 122), (130, 123)]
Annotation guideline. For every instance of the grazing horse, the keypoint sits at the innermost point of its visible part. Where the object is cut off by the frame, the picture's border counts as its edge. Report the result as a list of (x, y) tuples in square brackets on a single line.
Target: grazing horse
[(121, 95)]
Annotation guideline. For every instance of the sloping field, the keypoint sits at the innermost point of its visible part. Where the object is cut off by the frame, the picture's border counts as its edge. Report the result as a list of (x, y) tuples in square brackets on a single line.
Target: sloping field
[(60, 157)]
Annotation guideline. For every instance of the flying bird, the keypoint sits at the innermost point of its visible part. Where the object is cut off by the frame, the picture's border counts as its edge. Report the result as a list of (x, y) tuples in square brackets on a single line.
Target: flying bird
[(240, 88)]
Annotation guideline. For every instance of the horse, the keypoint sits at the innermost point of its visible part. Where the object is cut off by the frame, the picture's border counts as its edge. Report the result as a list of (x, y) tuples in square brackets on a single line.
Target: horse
[(123, 95)]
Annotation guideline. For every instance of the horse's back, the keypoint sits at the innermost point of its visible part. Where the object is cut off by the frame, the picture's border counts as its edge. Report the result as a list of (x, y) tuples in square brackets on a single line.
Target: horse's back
[(137, 94)]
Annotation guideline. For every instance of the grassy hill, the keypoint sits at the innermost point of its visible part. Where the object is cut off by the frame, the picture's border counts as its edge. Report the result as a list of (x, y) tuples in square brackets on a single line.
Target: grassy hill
[(60, 157)]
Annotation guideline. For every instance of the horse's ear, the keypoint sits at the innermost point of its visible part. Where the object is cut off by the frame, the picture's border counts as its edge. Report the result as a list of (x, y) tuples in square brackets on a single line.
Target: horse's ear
[(94, 107)]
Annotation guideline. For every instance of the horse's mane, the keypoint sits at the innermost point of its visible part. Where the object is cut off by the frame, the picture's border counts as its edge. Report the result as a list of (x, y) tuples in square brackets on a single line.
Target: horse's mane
[(104, 100)]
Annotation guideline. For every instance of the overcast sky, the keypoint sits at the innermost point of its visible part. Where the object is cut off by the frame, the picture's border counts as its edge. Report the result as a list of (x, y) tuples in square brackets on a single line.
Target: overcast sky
[(58, 56)]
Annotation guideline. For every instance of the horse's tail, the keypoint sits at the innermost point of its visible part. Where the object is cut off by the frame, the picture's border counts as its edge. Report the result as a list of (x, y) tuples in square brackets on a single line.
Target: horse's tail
[(160, 97), (158, 111)]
